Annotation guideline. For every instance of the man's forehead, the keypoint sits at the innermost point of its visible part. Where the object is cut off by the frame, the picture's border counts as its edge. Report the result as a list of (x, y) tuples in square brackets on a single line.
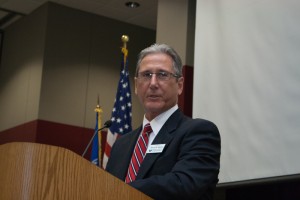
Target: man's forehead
[(157, 59)]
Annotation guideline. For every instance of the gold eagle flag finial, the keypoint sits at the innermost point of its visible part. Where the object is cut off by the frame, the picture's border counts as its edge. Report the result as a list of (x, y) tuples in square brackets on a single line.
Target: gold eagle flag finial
[(125, 39)]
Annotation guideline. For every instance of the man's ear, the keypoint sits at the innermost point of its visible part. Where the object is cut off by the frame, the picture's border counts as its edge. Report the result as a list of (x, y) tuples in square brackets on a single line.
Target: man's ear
[(135, 85), (180, 83)]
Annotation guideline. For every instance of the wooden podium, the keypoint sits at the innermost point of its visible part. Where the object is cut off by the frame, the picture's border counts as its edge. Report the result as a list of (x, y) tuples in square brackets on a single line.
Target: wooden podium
[(37, 171)]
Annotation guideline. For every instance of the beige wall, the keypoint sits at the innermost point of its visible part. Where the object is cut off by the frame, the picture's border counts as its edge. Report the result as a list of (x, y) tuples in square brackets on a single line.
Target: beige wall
[(21, 70), (56, 62), (176, 27)]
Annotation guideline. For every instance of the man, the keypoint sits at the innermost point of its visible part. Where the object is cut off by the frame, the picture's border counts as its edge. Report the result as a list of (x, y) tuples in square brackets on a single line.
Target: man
[(183, 154)]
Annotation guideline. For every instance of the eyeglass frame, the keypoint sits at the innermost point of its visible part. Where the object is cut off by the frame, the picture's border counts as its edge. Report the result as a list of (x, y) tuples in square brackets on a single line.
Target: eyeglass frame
[(141, 75)]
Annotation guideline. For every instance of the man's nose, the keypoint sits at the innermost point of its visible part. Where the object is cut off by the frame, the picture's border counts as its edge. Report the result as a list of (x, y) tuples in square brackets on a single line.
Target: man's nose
[(153, 80)]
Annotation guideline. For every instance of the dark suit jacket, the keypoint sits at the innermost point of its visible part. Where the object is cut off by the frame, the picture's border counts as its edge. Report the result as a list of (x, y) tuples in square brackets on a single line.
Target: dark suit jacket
[(187, 168)]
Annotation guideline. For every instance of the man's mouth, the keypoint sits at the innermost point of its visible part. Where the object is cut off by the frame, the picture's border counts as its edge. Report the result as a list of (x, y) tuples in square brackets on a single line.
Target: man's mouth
[(153, 97)]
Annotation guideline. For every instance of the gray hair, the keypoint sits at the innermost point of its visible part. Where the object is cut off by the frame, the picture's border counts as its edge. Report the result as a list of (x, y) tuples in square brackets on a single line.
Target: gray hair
[(161, 48)]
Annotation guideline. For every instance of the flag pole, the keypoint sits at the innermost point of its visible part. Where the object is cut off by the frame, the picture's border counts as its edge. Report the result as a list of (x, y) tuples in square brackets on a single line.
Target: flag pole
[(99, 110)]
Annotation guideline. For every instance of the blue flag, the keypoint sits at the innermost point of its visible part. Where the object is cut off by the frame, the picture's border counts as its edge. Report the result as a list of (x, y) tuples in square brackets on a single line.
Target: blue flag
[(95, 145)]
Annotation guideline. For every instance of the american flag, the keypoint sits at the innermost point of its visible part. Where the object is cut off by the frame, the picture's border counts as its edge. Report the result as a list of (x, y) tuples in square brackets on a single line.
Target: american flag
[(121, 113)]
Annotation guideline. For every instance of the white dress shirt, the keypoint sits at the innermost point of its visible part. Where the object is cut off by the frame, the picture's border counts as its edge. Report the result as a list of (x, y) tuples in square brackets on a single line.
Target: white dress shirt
[(158, 122)]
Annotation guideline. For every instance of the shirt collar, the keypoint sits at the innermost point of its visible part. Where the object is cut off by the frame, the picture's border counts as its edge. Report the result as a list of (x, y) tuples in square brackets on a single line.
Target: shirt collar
[(160, 120)]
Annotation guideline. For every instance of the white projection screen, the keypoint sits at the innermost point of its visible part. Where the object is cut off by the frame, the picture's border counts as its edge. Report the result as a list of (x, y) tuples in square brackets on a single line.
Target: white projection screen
[(247, 81)]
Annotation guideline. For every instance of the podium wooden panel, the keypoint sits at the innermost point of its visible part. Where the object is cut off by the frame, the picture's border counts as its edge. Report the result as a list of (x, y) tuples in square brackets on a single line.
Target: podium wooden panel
[(38, 171)]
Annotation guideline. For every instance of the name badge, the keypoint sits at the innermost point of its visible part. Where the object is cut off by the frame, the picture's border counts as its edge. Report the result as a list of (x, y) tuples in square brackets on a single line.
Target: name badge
[(156, 148)]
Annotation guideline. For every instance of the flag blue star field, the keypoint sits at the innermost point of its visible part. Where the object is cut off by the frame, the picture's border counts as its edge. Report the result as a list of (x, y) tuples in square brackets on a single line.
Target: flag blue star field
[(121, 113)]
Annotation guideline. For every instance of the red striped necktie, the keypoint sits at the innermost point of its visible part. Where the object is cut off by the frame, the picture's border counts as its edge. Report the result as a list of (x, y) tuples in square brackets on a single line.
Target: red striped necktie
[(138, 154)]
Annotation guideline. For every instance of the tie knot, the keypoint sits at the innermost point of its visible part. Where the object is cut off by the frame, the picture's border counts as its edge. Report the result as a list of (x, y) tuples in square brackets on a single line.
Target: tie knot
[(147, 129)]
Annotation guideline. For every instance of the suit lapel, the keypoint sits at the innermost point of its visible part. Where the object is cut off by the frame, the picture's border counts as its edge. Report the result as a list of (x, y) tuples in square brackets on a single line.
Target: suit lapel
[(164, 136), (127, 153)]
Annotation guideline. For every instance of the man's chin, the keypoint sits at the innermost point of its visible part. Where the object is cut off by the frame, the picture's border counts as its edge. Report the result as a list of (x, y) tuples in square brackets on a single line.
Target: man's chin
[(153, 107)]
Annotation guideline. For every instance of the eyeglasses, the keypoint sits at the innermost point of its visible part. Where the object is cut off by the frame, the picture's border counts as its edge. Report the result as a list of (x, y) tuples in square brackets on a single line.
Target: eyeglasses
[(161, 76)]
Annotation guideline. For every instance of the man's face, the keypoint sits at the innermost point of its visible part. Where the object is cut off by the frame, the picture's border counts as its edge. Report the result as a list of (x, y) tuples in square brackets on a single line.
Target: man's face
[(157, 95)]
